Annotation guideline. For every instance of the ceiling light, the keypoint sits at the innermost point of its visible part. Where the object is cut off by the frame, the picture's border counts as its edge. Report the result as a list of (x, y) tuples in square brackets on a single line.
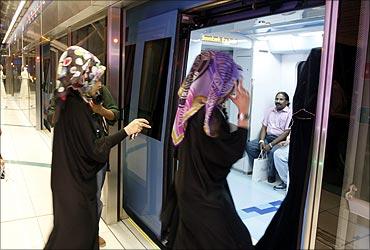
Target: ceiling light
[(311, 33), (14, 19)]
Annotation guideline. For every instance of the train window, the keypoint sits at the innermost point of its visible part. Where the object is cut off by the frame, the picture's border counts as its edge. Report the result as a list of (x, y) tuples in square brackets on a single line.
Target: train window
[(129, 69), (153, 84)]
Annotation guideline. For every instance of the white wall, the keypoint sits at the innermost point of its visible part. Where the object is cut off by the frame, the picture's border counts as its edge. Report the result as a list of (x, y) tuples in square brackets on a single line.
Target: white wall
[(243, 57), (289, 65), (195, 48), (266, 75), (271, 73)]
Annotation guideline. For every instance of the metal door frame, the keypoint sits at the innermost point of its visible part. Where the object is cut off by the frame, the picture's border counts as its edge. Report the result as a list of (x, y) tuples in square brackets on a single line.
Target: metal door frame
[(321, 126), (193, 22)]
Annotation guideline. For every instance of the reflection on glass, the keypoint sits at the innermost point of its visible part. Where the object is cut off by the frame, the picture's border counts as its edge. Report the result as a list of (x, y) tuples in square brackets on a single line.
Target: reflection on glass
[(129, 70), (49, 65), (153, 84), (92, 37), (31, 63)]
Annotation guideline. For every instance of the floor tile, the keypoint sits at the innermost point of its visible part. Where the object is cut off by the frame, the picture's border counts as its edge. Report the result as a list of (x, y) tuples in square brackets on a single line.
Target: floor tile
[(125, 236), (139, 234), (46, 225), (15, 199), (21, 234), (38, 185), (111, 241), (256, 203)]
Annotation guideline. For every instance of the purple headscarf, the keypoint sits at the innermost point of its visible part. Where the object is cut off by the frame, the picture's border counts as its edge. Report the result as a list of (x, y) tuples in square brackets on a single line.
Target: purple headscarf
[(209, 82)]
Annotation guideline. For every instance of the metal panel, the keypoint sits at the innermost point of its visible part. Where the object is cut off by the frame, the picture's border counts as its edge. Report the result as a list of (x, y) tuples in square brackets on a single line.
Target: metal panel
[(113, 63), (321, 125)]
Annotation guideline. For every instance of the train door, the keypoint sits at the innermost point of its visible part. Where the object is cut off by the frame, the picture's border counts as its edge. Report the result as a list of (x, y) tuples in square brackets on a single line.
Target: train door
[(338, 208), (270, 49), (144, 157)]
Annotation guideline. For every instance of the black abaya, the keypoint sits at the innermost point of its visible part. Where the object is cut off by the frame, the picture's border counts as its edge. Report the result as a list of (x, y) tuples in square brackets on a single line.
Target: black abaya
[(79, 152), (201, 213), (284, 229)]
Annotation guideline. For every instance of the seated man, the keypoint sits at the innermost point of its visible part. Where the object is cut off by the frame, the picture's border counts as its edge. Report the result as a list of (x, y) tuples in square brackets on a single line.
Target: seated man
[(281, 156), (275, 128)]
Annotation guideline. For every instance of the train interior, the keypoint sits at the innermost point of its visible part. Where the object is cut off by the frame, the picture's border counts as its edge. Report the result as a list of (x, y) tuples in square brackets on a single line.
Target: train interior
[(270, 50)]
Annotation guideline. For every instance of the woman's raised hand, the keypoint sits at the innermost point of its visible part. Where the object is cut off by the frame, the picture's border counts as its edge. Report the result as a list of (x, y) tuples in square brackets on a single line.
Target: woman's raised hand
[(241, 98), (136, 126)]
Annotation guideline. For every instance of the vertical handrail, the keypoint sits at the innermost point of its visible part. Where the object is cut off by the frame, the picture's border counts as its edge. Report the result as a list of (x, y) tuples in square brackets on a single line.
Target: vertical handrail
[(321, 126)]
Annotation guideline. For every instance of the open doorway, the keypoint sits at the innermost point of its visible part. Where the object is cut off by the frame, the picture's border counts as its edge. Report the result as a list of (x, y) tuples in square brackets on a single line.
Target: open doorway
[(271, 51)]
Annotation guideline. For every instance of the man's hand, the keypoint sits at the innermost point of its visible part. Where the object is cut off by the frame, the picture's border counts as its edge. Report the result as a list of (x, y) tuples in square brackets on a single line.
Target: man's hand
[(99, 109), (262, 146), (267, 147)]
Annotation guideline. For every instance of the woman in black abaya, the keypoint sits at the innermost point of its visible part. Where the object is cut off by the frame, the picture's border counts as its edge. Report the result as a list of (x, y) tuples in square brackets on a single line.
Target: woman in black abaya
[(80, 150), (201, 213)]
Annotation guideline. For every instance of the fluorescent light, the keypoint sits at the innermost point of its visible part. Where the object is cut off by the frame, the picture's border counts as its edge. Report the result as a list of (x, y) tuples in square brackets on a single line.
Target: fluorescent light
[(311, 33), (262, 38), (14, 19)]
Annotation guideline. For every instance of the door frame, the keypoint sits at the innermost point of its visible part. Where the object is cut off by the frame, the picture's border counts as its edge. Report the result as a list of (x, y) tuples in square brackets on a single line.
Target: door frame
[(321, 126), (233, 11)]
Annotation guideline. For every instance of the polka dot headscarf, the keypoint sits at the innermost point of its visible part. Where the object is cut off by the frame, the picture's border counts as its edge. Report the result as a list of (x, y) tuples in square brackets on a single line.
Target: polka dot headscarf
[(78, 69)]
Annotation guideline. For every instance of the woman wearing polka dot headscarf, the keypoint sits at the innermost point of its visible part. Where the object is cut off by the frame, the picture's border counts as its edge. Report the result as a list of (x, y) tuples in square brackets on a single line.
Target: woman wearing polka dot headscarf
[(80, 150)]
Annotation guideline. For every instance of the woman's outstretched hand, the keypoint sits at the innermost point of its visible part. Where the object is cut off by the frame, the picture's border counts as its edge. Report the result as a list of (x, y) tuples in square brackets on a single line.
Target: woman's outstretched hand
[(135, 127)]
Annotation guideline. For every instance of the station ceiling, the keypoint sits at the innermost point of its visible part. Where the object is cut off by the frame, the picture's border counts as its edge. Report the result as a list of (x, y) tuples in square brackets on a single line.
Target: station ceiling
[(7, 10)]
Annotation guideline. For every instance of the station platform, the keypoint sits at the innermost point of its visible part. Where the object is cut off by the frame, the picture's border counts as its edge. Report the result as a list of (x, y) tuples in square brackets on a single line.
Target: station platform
[(26, 200)]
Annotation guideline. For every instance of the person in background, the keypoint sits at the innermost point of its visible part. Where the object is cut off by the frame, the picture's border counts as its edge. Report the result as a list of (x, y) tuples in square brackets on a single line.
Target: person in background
[(25, 78), (2, 78), (281, 157), (80, 150), (2, 164), (200, 214), (275, 128), (105, 112)]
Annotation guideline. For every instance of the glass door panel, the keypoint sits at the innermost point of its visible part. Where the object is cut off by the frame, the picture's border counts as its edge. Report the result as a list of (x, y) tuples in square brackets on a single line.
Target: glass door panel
[(343, 219)]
